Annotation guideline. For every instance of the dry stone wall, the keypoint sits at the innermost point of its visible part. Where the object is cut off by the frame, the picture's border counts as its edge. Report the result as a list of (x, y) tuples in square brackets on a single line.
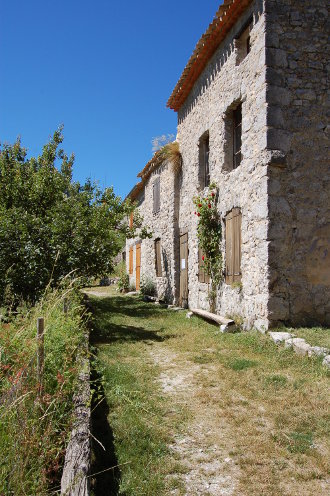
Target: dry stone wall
[(297, 57)]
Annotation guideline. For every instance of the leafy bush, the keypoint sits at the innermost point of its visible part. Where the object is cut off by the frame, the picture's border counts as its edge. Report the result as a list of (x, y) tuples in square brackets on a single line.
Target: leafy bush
[(123, 283), (35, 421), (147, 286), (51, 226)]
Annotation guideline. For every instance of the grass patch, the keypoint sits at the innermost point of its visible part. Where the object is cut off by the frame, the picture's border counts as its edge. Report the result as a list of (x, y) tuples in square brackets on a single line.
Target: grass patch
[(276, 411), (34, 427), (240, 364), (315, 336)]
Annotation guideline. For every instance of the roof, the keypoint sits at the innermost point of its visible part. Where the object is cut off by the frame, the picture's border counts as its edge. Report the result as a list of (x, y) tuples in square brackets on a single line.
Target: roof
[(225, 18), (155, 162)]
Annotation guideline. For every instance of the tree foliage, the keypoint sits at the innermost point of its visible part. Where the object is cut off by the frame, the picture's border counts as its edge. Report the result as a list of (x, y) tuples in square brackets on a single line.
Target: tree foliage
[(50, 225)]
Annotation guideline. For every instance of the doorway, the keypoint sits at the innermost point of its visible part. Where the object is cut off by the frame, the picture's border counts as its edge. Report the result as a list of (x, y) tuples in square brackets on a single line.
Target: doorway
[(184, 271)]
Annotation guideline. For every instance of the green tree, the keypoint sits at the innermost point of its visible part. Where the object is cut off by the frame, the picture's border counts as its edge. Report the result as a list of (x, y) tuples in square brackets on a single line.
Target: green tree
[(50, 225)]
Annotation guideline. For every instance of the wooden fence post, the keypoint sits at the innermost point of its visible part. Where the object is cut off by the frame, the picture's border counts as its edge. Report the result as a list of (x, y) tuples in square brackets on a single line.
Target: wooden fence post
[(40, 350), (65, 306)]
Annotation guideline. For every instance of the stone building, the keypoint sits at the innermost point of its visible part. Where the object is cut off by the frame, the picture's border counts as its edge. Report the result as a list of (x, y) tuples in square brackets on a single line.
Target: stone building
[(252, 109)]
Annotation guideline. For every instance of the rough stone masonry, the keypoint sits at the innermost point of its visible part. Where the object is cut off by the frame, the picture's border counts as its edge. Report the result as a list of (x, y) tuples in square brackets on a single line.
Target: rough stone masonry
[(272, 63)]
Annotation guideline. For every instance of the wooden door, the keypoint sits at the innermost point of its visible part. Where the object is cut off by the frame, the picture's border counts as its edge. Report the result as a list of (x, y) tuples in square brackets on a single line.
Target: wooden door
[(138, 267), (184, 270)]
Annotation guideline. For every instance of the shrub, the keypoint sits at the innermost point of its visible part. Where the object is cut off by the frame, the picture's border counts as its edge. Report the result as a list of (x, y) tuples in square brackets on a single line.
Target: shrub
[(147, 286), (123, 283)]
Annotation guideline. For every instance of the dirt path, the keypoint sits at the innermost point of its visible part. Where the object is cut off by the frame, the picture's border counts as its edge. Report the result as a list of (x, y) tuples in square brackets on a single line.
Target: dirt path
[(204, 447), (194, 412)]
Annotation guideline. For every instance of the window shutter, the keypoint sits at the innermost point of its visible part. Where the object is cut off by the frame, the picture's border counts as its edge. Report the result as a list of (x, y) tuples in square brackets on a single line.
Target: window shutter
[(158, 261), (229, 249), (131, 220), (237, 222), (201, 272), (233, 246), (202, 275), (130, 269), (156, 195)]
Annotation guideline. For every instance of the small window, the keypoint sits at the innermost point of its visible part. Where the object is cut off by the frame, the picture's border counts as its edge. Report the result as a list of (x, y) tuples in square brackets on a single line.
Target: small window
[(233, 246), (202, 275), (204, 165), (243, 42), (237, 136), (156, 195), (130, 261), (233, 137), (158, 261)]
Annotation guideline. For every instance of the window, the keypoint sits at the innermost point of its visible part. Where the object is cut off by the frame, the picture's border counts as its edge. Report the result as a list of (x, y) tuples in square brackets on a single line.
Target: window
[(233, 246), (204, 167), (158, 261), (237, 136), (233, 136), (156, 195), (202, 275), (243, 41), (130, 261)]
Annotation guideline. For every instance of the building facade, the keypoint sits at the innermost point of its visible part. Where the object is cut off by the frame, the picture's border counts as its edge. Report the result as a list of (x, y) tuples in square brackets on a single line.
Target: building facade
[(252, 106)]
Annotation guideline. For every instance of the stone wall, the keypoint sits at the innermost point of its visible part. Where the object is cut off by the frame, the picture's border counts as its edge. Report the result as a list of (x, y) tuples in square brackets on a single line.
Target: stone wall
[(297, 55), (162, 225), (282, 184), (224, 83)]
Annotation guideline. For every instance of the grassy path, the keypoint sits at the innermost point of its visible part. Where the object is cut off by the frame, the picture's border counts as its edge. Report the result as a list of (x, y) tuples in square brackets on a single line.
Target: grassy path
[(194, 412)]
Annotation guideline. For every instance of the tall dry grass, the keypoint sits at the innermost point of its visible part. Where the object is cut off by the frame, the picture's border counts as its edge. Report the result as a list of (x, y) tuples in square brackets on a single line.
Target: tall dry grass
[(35, 419)]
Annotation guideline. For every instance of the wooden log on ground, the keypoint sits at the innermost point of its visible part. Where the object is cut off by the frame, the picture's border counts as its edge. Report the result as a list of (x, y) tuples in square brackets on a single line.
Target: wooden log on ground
[(212, 316), (75, 477)]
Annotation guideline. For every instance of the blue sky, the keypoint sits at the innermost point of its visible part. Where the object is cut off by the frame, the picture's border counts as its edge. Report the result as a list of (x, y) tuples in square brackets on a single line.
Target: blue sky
[(104, 69)]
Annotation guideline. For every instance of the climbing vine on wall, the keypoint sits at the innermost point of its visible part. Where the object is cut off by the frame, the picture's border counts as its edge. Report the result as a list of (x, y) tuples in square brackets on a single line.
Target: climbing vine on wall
[(209, 234)]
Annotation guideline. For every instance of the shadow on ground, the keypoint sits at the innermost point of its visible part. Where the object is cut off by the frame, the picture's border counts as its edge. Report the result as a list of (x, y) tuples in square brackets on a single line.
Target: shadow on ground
[(106, 331), (105, 482)]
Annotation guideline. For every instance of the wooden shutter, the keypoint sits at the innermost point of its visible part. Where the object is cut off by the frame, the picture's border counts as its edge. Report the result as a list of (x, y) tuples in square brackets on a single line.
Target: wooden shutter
[(130, 262), (158, 261), (131, 220), (156, 195), (233, 246), (202, 275), (237, 222), (201, 272)]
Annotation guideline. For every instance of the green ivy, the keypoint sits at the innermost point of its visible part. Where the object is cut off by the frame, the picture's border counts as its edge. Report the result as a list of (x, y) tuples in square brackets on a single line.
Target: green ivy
[(209, 234)]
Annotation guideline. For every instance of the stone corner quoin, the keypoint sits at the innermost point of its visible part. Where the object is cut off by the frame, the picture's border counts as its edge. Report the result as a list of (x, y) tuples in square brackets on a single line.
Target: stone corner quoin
[(262, 96)]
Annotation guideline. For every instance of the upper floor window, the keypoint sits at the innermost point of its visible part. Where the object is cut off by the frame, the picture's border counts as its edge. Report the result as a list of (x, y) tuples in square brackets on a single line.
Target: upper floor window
[(156, 195), (243, 41), (204, 164), (237, 136)]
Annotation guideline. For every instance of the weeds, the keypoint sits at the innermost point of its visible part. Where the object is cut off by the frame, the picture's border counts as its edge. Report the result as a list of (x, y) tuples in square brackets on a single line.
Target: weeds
[(35, 420)]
